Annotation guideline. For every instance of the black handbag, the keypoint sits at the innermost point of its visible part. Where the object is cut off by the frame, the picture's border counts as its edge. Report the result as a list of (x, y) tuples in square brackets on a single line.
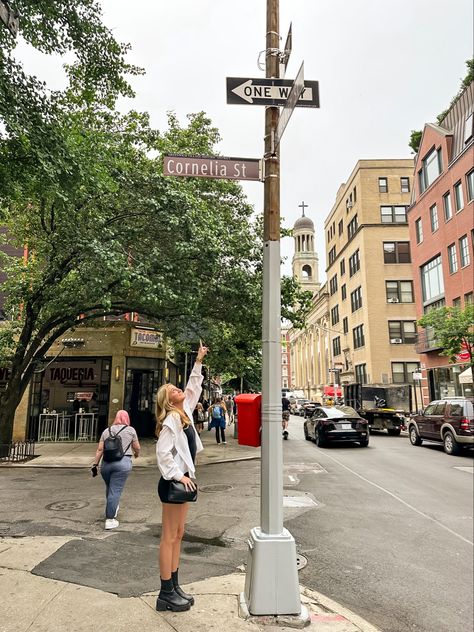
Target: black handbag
[(178, 493)]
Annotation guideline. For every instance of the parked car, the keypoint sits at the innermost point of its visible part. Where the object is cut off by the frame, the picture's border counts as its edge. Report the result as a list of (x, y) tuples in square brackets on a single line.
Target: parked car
[(449, 421), (309, 408), (330, 424), (296, 408)]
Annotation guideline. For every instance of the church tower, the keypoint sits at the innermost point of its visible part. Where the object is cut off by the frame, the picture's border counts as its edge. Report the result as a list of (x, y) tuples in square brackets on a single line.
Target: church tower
[(305, 259)]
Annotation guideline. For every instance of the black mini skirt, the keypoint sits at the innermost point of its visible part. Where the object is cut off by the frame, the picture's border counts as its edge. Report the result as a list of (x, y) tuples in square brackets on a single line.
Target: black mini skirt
[(163, 489)]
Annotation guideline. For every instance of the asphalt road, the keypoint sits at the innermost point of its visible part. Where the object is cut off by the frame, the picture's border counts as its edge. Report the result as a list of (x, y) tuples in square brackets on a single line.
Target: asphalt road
[(390, 537)]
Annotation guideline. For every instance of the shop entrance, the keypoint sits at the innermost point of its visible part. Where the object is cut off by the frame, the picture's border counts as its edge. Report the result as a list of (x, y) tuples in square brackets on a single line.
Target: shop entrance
[(141, 387)]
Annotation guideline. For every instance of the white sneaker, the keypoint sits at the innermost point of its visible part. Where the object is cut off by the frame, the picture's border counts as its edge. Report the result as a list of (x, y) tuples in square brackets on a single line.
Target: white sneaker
[(116, 511), (111, 523)]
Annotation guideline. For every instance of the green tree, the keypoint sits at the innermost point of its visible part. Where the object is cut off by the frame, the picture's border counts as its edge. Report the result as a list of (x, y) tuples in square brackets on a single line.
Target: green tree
[(453, 330)]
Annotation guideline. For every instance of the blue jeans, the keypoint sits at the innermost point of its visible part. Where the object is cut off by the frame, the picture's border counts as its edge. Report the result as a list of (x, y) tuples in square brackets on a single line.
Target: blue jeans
[(115, 476)]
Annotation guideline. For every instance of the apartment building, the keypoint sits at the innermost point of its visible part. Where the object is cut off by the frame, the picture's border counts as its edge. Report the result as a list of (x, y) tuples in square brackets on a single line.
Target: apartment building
[(441, 224), (372, 316)]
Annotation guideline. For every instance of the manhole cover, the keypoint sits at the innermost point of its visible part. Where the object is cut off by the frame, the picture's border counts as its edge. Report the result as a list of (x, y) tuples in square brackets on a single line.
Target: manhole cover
[(215, 488), (67, 505), (301, 562)]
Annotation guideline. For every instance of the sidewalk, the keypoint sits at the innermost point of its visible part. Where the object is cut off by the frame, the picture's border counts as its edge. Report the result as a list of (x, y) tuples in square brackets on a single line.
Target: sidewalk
[(35, 603)]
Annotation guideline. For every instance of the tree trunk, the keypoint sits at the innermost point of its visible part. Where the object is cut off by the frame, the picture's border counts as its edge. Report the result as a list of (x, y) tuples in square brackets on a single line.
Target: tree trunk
[(8, 406)]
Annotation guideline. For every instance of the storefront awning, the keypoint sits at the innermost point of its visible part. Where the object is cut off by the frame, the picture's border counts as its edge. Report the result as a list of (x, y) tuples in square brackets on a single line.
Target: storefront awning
[(329, 391), (466, 376)]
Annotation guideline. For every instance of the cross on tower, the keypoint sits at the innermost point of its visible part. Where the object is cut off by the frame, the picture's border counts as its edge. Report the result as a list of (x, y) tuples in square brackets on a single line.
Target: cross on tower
[(302, 206)]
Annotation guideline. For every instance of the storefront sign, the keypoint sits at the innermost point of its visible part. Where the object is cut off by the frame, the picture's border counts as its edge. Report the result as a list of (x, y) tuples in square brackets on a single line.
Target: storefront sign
[(71, 375), (146, 339)]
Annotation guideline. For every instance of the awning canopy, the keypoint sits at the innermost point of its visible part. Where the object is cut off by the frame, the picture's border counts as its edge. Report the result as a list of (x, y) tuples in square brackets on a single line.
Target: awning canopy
[(466, 376), (329, 391)]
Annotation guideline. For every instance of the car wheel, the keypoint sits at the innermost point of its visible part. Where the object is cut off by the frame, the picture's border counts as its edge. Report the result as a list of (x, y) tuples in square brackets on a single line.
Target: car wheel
[(320, 442), (450, 444), (364, 443), (306, 435), (415, 438)]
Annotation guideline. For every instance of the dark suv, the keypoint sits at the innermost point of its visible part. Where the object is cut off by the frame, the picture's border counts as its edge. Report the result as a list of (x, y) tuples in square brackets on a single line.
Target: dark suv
[(449, 421)]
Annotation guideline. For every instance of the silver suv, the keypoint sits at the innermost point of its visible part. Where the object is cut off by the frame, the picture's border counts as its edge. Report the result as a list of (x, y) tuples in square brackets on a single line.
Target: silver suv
[(449, 421)]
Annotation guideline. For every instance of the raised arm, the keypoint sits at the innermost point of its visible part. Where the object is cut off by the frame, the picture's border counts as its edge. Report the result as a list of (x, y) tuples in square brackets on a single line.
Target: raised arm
[(193, 387)]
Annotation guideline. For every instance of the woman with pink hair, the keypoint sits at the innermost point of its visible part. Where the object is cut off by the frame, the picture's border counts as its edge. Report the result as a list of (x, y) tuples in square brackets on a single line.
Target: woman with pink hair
[(115, 473)]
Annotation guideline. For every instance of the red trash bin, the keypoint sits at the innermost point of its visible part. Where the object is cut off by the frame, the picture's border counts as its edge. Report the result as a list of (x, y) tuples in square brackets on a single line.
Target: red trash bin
[(249, 419)]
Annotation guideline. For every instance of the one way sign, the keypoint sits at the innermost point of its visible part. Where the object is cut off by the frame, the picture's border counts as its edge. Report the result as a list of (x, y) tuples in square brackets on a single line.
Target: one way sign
[(269, 92)]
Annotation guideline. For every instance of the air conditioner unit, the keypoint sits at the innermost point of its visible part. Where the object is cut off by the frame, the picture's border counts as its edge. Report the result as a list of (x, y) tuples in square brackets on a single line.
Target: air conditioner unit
[(393, 300), (349, 204), (396, 341)]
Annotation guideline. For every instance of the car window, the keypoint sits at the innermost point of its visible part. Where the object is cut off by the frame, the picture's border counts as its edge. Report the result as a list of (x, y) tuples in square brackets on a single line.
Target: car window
[(456, 409), (319, 413), (440, 408), (429, 410)]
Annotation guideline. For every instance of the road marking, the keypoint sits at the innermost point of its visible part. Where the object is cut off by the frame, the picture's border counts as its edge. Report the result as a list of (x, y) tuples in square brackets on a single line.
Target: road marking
[(465, 468), (299, 501), (400, 500)]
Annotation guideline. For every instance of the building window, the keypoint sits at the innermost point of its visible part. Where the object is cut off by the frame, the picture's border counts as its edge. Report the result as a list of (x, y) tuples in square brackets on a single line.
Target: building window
[(432, 166), (402, 372), (448, 207), (458, 196), (383, 185), (332, 255), (470, 185), (405, 185), (354, 263), (341, 227), (335, 315), (402, 331), (336, 346), (432, 283), (352, 227), (464, 251), (343, 292), (356, 299), (342, 265), (355, 194), (284, 370), (396, 252), (361, 373), (468, 299), (452, 258), (457, 302), (358, 336), (284, 360), (434, 218), (333, 285), (345, 325), (419, 230), (399, 291), (468, 125), (393, 214)]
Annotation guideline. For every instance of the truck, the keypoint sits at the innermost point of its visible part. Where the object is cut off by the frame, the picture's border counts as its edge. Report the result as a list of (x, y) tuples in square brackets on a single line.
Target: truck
[(385, 406)]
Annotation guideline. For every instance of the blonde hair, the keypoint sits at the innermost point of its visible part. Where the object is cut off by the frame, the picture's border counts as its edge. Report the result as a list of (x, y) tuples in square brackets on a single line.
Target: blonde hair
[(164, 407)]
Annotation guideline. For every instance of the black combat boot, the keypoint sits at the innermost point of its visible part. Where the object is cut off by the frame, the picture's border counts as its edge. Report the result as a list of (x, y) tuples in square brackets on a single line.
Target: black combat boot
[(168, 598), (179, 590)]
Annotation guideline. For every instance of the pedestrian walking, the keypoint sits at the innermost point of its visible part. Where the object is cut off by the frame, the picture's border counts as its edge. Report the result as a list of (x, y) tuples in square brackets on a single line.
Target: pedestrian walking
[(198, 417), (285, 415), (229, 404), (115, 472), (217, 420), (176, 449)]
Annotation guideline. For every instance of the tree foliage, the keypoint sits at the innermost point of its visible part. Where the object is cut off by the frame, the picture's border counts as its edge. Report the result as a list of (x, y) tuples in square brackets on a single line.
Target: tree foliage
[(453, 330)]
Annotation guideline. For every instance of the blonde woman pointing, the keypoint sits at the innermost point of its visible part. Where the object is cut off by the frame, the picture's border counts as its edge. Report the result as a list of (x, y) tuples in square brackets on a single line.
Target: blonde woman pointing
[(176, 449)]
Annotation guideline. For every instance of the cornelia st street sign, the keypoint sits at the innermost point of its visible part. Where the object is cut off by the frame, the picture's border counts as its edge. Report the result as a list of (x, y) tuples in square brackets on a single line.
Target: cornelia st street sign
[(212, 167)]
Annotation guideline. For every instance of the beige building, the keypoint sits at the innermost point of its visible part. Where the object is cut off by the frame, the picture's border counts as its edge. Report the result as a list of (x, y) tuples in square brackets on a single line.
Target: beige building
[(372, 316)]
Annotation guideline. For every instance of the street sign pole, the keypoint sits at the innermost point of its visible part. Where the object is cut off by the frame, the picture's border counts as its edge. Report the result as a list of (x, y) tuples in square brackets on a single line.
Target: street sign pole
[(271, 584)]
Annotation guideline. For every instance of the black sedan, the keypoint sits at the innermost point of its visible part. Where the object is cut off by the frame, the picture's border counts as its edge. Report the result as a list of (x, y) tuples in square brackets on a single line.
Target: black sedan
[(330, 424)]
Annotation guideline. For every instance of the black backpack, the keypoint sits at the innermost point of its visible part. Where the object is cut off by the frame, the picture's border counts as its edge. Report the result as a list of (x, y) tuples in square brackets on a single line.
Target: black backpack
[(113, 448)]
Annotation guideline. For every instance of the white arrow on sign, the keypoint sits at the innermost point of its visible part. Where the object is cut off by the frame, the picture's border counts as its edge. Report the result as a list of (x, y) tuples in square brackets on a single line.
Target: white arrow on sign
[(248, 91)]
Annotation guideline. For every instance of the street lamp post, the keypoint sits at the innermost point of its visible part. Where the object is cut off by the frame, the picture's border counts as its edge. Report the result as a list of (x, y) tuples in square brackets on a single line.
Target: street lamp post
[(271, 586)]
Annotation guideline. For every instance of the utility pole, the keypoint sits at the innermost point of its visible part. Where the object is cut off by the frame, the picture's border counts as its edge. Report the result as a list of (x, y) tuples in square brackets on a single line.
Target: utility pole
[(271, 586)]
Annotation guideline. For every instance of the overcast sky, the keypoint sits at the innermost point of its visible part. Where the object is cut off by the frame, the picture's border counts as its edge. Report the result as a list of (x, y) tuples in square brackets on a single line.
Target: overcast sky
[(385, 67)]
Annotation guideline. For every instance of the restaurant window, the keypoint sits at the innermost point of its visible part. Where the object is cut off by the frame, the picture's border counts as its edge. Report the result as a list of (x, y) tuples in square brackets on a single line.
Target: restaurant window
[(343, 292), (402, 331), (358, 336), (431, 168), (354, 263), (405, 185), (396, 252), (452, 259), (458, 196), (402, 372), (399, 291), (336, 346), (345, 325), (419, 230), (393, 214), (356, 299), (335, 315), (342, 265), (361, 373), (464, 251), (383, 185), (352, 228), (470, 185), (333, 285), (448, 207), (434, 218), (432, 282)]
